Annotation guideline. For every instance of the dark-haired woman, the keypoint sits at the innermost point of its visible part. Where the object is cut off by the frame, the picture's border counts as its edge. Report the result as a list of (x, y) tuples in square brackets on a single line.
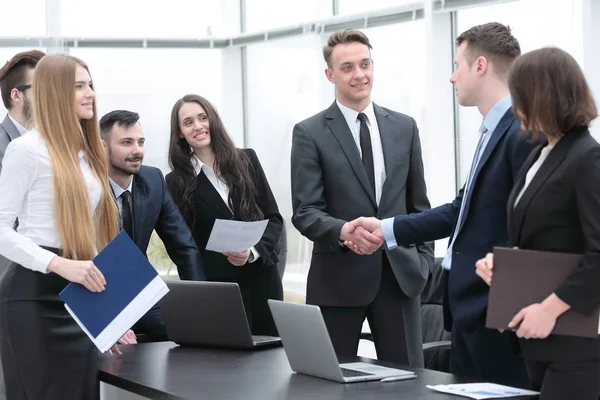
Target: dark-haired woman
[(212, 179), (553, 207)]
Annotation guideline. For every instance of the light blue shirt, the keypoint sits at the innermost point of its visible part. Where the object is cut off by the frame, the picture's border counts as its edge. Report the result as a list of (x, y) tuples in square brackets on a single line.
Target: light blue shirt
[(489, 125)]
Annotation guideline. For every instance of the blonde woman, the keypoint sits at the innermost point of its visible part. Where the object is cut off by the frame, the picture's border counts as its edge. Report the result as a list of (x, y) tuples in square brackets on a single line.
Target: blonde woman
[(54, 180)]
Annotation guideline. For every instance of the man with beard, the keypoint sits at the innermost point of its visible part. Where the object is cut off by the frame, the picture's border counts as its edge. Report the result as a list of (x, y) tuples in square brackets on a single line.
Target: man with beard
[(15, 84), (145, 205)]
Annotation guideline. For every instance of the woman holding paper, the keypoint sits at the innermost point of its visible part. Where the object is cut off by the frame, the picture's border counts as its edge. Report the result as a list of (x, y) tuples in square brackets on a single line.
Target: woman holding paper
[(554, 207), (212, 179), (54, 181)]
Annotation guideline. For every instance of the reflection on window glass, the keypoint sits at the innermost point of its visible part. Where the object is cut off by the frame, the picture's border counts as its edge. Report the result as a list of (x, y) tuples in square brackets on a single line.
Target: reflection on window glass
[(556, 23), (23, 18), (149, 82), (141, 18)]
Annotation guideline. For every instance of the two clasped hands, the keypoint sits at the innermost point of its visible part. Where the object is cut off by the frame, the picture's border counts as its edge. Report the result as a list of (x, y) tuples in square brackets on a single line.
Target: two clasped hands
[(532, 322), (363, 235)]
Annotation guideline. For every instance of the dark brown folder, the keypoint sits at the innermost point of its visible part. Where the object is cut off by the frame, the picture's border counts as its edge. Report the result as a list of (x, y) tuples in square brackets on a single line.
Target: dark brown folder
[(525, 277)]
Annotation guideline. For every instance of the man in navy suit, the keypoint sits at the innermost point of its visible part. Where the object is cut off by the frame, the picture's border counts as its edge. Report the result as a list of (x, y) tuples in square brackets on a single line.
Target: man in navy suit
[(475, 221), (145, 205)]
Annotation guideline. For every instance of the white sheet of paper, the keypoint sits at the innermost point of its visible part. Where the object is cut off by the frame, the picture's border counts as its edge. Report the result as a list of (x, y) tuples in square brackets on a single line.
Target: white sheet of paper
[(228, 235), (482, 390)]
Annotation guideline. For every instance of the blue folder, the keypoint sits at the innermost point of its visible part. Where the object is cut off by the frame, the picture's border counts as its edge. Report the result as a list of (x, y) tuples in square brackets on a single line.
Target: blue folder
[(127, 272)]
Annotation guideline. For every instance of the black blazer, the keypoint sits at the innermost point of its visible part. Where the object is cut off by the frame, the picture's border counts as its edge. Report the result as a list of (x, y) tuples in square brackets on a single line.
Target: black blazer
[(559, 212), (154, 209), (208, 206)]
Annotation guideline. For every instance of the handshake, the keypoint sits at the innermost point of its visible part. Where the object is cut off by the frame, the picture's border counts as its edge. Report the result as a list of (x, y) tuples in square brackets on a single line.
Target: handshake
[(363, 235)]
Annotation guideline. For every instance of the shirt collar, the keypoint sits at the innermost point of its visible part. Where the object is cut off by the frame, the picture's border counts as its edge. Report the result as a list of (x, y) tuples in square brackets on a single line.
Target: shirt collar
[(19, 127), (493, 117), (351, 116), (118, 190), (198, 165)]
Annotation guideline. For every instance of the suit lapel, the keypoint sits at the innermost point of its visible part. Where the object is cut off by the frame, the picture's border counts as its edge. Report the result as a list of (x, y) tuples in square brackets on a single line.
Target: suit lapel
[(517, 187), (10, 127), (499, 132), (553, 161), (140, 193), (391, 150), (207, 191), (338, 126)]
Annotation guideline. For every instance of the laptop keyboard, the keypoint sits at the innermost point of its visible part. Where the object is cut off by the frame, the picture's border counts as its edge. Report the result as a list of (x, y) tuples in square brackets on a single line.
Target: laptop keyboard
[(350, 373)]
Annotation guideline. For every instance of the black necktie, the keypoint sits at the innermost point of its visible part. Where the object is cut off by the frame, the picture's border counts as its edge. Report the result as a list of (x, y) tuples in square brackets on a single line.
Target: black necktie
[(367, 150), (126, 213)]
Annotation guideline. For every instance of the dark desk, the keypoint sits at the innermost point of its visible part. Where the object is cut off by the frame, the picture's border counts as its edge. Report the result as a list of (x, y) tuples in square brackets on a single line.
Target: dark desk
[(167, 371)]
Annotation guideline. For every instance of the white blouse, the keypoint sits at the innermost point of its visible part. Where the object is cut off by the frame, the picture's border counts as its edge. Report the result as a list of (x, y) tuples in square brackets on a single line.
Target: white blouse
[(27, 187)]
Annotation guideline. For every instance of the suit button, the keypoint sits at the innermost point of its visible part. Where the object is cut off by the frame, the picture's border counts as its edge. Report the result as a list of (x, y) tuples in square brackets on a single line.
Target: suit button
[(332, 248)]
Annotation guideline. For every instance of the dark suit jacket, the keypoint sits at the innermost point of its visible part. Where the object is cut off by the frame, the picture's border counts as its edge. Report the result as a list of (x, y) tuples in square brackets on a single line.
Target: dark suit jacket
[(559, 212), (154, 209), (209, 206), (484, 226), (330, 187)]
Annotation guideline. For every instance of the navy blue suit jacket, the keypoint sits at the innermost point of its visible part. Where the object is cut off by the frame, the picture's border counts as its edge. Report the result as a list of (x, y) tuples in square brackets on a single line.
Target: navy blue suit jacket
[(485, 224), (154, 209)]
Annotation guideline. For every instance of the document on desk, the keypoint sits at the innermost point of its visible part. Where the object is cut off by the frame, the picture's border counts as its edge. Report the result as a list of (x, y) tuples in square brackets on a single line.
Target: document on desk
[(482, 390), (132, 287), (229, 235)]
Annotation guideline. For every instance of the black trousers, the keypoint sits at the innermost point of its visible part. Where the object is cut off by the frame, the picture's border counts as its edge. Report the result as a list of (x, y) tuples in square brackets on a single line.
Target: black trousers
[(257, 285), (385, 318), (151, 325), (488, 355), (558, 380)]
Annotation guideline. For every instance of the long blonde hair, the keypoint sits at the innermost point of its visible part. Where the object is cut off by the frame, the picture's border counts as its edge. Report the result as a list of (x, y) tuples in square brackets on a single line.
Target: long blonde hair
[(65, 135)]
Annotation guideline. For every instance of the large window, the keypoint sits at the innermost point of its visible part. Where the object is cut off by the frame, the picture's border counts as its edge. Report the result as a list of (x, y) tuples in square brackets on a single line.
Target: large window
[(149, 82), (267, 14), (23, 18), (361, 6), (140, 18), (535, 23), (286, 84)]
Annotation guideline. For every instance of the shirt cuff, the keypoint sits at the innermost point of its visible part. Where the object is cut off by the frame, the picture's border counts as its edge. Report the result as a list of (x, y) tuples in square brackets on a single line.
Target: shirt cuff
[(254, 255), (41, 260), (387, 229)]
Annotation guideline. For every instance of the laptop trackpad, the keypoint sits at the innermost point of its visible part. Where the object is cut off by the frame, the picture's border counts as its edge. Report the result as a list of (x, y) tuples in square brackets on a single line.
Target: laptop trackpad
[(376, 369)]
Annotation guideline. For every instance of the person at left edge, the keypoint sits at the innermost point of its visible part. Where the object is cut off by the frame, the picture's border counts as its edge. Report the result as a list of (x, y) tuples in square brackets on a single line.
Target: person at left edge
[(145, 205)]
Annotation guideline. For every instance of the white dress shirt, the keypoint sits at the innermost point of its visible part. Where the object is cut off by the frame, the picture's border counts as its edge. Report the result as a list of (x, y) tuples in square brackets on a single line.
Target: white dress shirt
[(353, 122), (22, 130), (27, 187), (534, 169), (223, 191), (118, 191)]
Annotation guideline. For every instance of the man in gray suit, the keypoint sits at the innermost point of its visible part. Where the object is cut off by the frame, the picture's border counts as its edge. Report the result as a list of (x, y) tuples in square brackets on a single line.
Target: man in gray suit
[(357, 158), (15, 85)]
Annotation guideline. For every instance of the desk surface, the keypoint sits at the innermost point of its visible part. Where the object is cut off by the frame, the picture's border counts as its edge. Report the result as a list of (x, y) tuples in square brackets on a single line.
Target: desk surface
[(168, 371)]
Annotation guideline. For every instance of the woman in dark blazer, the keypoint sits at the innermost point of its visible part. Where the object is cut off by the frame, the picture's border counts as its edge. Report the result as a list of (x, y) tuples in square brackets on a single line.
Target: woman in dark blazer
[(213, 179), (554, 206)]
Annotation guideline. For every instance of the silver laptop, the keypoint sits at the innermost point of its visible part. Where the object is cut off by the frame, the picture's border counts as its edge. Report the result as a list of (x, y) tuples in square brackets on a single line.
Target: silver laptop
[(211, 314), (310, 351)]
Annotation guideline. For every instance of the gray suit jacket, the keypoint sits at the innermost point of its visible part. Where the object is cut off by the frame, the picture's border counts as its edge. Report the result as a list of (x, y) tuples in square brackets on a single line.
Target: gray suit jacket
[(8, 132), (330, 187)]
